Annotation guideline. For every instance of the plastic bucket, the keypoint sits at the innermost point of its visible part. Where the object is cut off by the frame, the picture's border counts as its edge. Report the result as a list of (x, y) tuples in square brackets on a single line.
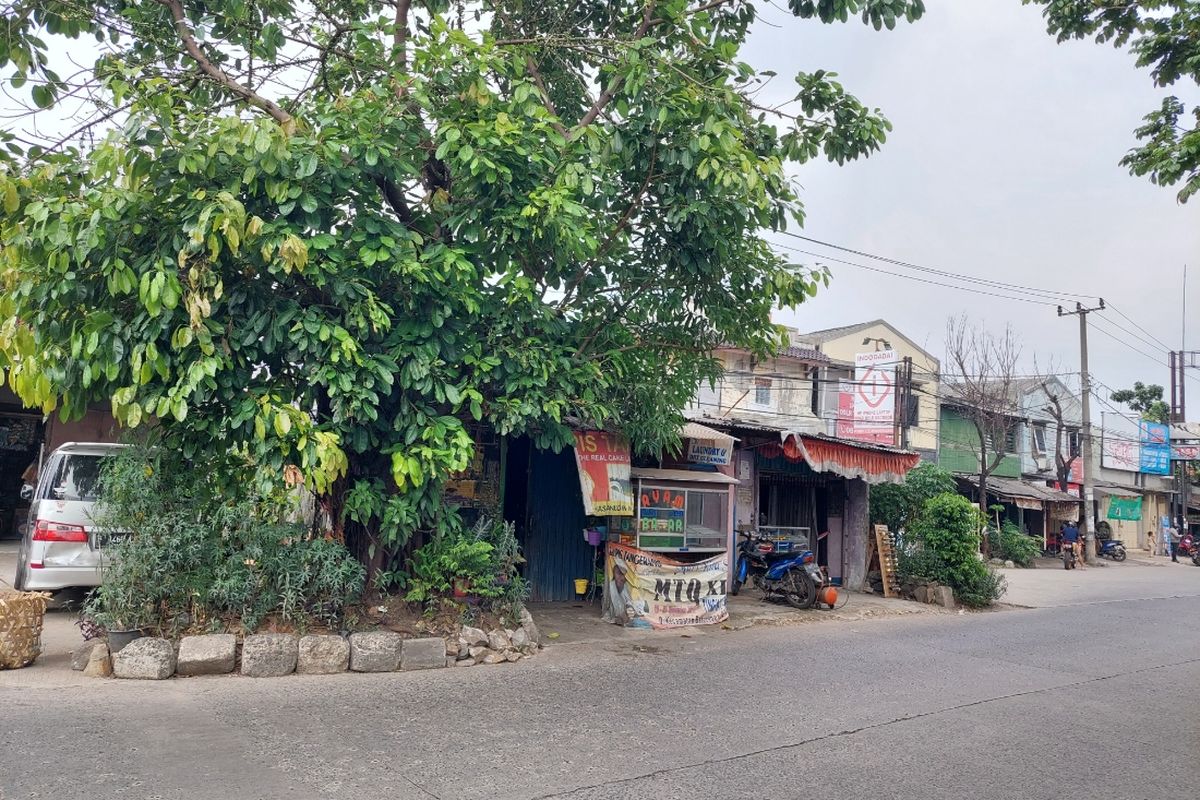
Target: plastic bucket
[(593, 537), (581, 585)]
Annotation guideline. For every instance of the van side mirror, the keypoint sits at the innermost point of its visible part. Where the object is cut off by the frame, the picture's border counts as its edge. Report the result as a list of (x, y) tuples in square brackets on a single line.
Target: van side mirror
[(26, 492)]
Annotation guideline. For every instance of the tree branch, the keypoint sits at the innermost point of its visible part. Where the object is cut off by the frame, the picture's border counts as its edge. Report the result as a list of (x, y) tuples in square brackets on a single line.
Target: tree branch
[(531, 67), (400, 34), (610, 93), (216, 73)]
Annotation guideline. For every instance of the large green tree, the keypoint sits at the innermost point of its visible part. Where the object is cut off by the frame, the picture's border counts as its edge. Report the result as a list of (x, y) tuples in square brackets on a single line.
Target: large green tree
[(333, 232), (1163, 35)]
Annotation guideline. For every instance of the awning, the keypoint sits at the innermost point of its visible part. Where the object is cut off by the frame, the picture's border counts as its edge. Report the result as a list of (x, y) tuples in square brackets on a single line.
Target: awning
[(1116, 490), (1023, 494), (695, 476), (852, 460), (694, 430)]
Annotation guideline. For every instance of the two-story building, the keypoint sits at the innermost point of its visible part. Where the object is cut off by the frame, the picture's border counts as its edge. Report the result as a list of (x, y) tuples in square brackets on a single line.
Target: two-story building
[(796, 478)]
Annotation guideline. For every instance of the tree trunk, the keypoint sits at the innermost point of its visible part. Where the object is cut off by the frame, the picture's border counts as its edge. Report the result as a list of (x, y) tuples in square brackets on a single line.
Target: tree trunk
[(985, 543)]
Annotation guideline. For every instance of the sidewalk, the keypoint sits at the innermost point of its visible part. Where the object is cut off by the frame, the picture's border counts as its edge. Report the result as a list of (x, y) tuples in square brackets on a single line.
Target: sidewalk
[(580, 623)]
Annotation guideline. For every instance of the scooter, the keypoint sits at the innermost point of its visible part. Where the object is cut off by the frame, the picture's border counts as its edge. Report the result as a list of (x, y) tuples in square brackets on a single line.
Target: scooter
[(1068, 555), (793, 576), (1111, 548)]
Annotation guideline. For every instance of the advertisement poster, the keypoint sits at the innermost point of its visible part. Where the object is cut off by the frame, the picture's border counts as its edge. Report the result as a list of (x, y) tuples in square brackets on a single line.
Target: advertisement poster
[(703, 451), (1156, 448), (603, 463), (867, 405), (647, 590)]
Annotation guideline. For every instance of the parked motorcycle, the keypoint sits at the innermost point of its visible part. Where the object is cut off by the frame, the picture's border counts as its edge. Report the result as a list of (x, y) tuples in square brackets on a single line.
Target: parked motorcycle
[(1187, 548), (1068, 555), (1111, 548), (793, 576)]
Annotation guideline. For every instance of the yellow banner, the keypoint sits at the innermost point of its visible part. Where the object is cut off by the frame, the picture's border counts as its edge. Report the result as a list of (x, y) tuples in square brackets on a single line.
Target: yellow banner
[(648, 590)]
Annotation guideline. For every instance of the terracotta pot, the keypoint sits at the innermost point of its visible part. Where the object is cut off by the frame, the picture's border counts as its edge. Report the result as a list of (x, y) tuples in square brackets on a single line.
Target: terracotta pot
[(462, 587)]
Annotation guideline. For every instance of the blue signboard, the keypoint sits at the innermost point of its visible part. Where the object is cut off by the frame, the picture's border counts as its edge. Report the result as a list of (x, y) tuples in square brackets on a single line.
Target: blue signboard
[(1156, 448)]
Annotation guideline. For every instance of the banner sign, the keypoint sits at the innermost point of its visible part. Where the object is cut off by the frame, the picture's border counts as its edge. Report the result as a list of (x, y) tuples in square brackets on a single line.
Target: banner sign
[(1120, 452), (867, 405), (1156, 448), (1185, 452), (1127, 508), (603, 463), (701, 451), (648, 590)]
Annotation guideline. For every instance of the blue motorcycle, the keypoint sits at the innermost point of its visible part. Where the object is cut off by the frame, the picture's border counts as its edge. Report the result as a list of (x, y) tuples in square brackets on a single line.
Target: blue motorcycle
[(793, 576), (1110, 548)]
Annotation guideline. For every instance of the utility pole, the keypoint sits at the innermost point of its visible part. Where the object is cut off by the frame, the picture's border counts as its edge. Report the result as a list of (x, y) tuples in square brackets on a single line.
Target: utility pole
[(1085, 385), (904, 399)]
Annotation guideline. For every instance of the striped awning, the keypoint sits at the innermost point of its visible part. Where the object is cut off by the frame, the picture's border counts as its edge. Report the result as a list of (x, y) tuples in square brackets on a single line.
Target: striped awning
[(870, 463)]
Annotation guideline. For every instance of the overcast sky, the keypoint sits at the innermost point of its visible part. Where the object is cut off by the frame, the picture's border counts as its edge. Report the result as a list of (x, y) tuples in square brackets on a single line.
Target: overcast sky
[(1003, 164)]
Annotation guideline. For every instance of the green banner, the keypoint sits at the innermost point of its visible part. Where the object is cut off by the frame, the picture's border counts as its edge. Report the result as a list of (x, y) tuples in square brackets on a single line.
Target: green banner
[(1129, 508)]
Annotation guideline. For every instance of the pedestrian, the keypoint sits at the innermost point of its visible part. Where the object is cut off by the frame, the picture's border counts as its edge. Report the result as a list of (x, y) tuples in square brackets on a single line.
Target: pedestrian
[(1173, 541)]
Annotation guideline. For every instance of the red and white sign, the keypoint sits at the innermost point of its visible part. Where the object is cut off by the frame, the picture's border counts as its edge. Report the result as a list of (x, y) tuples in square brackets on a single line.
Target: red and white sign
[(867, 405), (1185, 452)]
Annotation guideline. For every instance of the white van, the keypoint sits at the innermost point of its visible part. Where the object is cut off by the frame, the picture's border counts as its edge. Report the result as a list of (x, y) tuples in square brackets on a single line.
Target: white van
[(58, 548)]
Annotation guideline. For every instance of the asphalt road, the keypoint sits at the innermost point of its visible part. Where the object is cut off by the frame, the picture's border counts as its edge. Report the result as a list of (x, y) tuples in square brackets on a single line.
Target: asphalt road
[(1092, 700)]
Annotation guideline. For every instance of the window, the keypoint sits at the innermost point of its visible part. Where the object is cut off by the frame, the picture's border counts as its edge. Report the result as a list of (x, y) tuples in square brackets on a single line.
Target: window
[(74, 477), (815, 375), (1039, 439), (1072, 443), (762, 391), (1010, 439)]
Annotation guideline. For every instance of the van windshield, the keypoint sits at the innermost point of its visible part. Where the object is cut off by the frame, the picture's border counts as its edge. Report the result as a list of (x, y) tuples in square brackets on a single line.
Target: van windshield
[(76, 476)]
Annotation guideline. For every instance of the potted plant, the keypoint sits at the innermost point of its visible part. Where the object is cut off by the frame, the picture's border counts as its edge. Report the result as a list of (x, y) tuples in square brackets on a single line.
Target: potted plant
[(123, 615), (462, 586)]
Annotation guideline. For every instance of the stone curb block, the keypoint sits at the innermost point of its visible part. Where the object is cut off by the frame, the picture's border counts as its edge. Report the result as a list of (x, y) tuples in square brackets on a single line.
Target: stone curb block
[(376, 652), (145, 659), (269, 655), (212, 654), (423, 653), (325, 654)]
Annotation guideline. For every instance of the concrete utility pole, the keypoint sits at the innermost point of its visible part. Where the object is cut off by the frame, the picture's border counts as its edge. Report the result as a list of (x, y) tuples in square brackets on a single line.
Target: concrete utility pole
[(1085, 388)]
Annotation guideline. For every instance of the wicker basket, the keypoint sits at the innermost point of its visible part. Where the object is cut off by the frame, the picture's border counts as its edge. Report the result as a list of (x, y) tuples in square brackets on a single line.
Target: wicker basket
[(21, 616)]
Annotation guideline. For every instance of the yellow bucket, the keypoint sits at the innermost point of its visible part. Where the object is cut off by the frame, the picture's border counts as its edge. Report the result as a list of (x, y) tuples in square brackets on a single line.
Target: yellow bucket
[(581, 585)]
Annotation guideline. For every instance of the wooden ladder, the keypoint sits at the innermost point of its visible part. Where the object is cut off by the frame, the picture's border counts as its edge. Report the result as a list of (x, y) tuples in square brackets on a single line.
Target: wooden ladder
[(885, 546)]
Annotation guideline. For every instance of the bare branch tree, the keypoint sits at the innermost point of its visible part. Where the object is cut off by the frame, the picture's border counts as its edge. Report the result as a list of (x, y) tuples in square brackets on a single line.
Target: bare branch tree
[(982, 368), (1062, 460)]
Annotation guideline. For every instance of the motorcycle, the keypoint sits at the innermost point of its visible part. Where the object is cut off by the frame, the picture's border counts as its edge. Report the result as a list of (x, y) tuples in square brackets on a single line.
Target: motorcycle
[(1068, 555), (793, 576), (1111, 548)]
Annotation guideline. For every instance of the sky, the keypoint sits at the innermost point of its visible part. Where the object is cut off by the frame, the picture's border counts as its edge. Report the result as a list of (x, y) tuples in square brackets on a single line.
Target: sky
[(1003, 164)]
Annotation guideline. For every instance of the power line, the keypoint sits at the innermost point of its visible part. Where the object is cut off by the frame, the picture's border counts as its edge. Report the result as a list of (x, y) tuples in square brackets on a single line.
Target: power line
[(1049, 293), (1043, 302), (1140, 328)]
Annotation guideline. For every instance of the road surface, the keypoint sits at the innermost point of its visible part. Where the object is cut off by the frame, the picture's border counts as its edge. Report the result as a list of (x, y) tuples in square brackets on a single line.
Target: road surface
[(1078, 700)]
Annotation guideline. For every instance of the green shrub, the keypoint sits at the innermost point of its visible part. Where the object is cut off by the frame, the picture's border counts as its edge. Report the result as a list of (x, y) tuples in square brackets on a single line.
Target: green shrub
[(188, 555), (486, 556), (1010, 544), (943, 545), (898, 505)]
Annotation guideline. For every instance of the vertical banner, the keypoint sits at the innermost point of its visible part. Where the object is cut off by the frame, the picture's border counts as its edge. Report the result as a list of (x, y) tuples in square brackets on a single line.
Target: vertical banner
[(603, 463), (867, 405), (647, 590), (1156, 448)]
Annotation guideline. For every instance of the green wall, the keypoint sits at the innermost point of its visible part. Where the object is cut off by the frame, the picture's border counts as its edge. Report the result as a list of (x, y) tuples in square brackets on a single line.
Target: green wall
[(957, 443)]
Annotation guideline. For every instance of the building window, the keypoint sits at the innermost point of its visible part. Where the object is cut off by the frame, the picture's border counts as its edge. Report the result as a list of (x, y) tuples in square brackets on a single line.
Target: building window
[(1039, 439), (762, 391), (1072, 443), (1010, 439), (912, 414)]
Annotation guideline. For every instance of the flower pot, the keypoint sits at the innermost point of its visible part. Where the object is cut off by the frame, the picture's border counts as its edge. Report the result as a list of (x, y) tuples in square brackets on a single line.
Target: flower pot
[(118, 639), (462, 586)]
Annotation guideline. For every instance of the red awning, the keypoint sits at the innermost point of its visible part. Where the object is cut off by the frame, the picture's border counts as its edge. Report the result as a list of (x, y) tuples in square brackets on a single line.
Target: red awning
[(871, 463)]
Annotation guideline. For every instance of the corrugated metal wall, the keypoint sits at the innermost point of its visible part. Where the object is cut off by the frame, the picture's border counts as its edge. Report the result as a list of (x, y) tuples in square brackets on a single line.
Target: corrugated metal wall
[(555, 550)]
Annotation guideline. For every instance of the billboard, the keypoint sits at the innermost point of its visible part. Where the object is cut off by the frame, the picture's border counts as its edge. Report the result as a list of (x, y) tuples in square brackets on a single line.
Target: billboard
[(867, 405), (1155, 448)]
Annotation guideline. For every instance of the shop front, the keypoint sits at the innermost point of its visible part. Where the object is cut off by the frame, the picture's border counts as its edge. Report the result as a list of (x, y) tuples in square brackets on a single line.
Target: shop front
[(812, 491)]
